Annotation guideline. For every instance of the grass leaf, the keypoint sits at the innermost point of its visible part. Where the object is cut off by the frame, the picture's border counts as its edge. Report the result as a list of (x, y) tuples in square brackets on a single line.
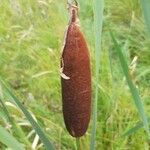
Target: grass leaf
[(98, 22), (132, 130), (18, 131), (7, 139), (37, 128), (146, 12), (133, 89), (9, 119)]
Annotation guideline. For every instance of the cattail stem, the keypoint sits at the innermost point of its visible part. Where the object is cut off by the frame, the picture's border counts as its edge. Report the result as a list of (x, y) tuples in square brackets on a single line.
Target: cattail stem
[(77, 143)]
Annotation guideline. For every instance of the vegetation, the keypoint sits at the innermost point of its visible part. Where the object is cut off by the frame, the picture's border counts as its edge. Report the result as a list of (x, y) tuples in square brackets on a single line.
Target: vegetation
[(31, 33)]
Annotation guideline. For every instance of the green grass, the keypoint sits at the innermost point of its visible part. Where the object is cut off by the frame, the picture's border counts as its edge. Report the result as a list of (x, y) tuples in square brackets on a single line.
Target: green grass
[(133, 89), (31, 34), (9, 140), (29, 117)]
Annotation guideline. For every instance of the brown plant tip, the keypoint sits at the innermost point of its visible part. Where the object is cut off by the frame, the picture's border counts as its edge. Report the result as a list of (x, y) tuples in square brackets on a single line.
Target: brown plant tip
[(75, 80)]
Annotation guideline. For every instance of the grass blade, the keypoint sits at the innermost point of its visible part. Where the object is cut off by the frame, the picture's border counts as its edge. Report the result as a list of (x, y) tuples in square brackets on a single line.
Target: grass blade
[(37, 128), (9, 119), (7, 139), (146, 12), (134, 129), (138, 126), (98, 22), (133, 89)]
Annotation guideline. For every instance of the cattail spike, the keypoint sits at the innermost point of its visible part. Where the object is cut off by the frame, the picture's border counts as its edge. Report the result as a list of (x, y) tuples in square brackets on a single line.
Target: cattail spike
[(75, 79)]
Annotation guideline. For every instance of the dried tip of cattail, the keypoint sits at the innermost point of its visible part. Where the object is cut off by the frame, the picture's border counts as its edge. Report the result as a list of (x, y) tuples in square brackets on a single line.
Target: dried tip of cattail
[(73, 9), (73, 3)]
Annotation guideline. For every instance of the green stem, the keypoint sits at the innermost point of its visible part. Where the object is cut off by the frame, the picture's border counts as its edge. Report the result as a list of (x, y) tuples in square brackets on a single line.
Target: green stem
[(77, 143), (98, 22)]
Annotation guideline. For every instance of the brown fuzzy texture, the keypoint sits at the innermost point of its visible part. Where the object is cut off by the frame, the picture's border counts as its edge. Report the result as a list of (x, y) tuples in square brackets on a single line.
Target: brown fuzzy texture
[(76, 91)]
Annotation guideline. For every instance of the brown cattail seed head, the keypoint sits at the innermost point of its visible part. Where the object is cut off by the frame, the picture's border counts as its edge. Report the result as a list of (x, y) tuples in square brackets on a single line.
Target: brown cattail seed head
[(75, 79)]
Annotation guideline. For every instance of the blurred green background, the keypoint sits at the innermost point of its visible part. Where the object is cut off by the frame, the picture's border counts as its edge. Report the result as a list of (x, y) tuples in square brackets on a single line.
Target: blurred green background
[(31, 33)]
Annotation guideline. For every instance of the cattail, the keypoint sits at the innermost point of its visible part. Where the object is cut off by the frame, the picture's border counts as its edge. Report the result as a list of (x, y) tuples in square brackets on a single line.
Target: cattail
[(75, 78)]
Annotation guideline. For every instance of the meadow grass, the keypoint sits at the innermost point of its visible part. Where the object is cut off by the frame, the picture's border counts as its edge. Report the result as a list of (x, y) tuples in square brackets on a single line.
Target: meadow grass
[(31, 34)]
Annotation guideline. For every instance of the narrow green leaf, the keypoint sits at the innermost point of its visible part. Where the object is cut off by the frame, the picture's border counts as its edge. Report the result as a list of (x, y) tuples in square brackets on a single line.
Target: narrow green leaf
[(35, 125), (134, 129), (133, 89), (146, 12), (9, 119), (7, 139), (98, 22)]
